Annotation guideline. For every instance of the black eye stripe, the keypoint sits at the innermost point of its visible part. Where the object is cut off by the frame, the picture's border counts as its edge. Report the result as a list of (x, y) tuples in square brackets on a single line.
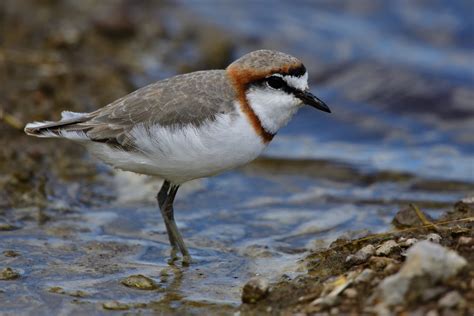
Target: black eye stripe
[(276, 82), (285, 87)]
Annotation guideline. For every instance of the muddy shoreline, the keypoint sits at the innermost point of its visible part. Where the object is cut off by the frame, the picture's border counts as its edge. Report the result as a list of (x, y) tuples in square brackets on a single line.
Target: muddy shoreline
[(77, 237), (359, 267)]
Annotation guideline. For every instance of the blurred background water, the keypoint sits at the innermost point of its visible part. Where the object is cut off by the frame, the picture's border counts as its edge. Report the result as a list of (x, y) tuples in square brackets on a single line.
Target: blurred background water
[(398, 76)]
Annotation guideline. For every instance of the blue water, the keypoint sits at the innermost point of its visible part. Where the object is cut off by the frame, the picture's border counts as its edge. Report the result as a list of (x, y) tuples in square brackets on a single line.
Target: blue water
[(386, 63)]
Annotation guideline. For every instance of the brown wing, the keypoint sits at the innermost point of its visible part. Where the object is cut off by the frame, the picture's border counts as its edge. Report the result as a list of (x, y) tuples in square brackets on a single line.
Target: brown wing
[(192, 98)]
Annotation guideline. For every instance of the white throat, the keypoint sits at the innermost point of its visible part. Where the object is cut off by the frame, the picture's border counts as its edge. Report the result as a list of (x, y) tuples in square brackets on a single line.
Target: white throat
[(275, 107)]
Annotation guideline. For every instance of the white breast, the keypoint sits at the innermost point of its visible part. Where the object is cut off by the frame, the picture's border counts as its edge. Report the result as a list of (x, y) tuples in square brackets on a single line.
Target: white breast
[(182, 154)]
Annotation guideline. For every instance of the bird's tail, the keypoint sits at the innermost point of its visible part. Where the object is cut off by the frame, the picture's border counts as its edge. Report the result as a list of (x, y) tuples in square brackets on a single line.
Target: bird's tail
[(67, 127)]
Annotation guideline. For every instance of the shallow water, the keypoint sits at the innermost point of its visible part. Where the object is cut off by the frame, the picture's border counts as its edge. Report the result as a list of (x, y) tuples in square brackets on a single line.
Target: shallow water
[(238, 225), (400, 132)]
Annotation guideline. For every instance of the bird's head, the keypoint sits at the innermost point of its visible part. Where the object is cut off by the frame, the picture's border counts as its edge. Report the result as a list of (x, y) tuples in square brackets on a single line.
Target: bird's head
[(274, 85)]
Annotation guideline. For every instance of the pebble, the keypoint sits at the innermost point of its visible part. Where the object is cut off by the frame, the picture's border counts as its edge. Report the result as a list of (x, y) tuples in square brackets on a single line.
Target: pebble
[(432, 293), (255, 290), (466, 241), (350, 293), (362, 255), (434, 238), (386, 248), (9, 274), (407, 242), (451, 299), (56, 290), (140, 282), (11, 253), (77, 293), (432, 312), (468, 200), (74, 293), (325, 301), (391, 268), (116, 306), (407, 217), (7, 226), (336, 287), (365, 276), (426, 263), (379, 263)]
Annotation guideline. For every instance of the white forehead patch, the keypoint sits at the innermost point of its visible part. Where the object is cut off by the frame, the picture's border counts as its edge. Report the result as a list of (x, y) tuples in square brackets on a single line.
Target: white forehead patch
[(300, 83)]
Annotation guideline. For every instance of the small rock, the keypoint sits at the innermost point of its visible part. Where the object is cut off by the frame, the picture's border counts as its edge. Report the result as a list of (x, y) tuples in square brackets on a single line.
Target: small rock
[(381, 310), (468, 200), (77, 293), (350, 293), (432, 293), (466, 205), (452, 299), (354, 234), (11, 253), (379, 263), (7, 226), (255, 290), (74, 293), (115, 306), (432, 312), (362, 255), (365, 276), (426, 264), (140, 282), (386, 248), (466, 241), (56, 290), (325, 301), (407, 242), (9, 274), (391, 268), (433, 238), (336, 287), (407, 217)]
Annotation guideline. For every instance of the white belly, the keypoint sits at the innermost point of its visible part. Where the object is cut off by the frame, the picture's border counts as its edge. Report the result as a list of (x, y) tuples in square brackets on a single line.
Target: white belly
[(180, 155)]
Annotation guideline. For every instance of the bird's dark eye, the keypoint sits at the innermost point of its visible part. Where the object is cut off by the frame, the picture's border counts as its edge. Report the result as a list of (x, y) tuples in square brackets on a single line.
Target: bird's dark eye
[(275, 82)]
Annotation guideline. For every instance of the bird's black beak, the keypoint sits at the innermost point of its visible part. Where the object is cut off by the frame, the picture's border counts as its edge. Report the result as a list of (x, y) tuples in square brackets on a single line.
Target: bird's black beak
[(312, 100)]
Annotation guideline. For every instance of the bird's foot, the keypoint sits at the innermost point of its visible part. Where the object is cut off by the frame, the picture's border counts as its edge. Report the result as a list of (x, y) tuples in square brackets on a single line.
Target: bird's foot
[(186, 260), (173, 255)]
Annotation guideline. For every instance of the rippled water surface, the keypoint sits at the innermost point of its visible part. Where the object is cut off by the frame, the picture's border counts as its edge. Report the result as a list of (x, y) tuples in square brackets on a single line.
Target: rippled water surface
[(399, 79)]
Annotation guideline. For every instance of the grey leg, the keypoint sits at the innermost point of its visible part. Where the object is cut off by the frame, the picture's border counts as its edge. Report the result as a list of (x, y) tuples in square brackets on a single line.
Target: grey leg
[(161, 197), (169, 214), (165, 201)]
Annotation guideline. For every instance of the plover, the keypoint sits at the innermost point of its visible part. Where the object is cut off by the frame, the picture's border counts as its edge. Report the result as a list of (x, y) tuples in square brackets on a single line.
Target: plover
[(192, 125)]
